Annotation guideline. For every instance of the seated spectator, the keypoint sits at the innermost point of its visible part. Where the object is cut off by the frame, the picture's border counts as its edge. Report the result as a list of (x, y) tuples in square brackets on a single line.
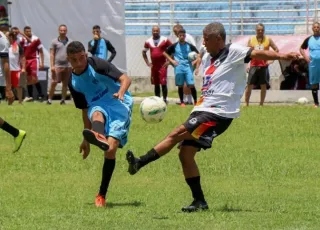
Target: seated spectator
[(295, 76), (4, 20)]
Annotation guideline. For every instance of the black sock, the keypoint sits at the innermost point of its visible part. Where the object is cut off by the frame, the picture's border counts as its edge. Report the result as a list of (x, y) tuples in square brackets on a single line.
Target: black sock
[(10, 129), (30, 90), (194, 94), (108, 168), (195, 186), (315, 96), (180, 92), (150, 156), (157, 90), (38, 87), (164, 92), (98, 127)]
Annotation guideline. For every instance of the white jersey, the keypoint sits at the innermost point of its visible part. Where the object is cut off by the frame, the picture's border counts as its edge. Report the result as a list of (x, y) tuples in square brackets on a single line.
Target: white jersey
[(224, 81), (4, 45), (15, 53)]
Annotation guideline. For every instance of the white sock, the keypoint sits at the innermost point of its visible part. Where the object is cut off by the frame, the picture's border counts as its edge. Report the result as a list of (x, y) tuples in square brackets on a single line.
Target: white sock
[(189, 98), (185, 98), (50, 100)]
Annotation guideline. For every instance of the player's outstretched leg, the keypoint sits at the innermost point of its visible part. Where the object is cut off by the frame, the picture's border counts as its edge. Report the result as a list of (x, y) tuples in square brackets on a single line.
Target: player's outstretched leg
[(96, 136), (19, 135), (192, 176)]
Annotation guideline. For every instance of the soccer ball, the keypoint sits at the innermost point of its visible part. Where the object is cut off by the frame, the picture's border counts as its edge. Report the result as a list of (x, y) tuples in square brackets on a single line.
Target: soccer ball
[(302, 100), (192, 56), (153, 109)]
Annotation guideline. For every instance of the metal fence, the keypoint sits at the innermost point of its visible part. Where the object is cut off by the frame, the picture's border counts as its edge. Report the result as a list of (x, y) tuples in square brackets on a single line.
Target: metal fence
[(238, 16)]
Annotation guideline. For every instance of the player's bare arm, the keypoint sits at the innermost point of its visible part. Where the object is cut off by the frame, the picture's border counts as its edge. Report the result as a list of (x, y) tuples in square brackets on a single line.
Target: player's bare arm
[(125, 83), (145, 58), (249, 45), (25, 36), (52, 59), (41, 65), (272, 55), (23, 63), (171, 60), (85, 146), (273, 45), (304, 55)]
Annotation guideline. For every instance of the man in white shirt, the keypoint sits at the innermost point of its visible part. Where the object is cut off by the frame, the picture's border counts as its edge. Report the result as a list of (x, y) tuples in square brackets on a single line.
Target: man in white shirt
[(223, 86)]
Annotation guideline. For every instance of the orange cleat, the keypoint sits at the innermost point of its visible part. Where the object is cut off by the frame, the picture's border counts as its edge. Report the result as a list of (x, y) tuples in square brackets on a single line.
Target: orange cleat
[(182, 105), (100, 201), (96, 139)]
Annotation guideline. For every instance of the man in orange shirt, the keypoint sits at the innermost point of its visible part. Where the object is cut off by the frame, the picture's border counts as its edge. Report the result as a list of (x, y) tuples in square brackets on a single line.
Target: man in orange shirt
[(258, 70)]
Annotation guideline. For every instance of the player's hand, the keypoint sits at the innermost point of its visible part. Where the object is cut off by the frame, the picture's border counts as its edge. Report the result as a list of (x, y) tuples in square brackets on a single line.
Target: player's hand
[(165, 65), (291, 56), (150, 65), (23, 71), (270, 62), (85, 149), (247, 69), (118, 96), (53, 69), (175, 63), (308, 59), (41, 66), (9, 96), (196, 72), (194, 62)]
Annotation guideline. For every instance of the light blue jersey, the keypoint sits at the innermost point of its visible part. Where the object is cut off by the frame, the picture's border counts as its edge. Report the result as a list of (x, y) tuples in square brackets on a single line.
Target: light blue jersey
[(94, 89)]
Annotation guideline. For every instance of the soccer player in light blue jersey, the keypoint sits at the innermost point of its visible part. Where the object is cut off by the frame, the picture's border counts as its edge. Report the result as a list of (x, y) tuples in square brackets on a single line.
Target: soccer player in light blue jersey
[(100, 90)]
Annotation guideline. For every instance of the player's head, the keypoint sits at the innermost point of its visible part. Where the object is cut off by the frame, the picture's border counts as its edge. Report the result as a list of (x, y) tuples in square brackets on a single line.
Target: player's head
[(27, 31), (260, 30), (182, 35), (316, 29), (214, 37), (156, 32), (176, 28), (15, 30), (3, 12), (96, 30), (63, 30), (76, 55), (11, 37)]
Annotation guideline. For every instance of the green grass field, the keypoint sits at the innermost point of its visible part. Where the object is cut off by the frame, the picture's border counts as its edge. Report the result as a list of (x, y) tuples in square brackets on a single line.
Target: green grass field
[(262, 173)]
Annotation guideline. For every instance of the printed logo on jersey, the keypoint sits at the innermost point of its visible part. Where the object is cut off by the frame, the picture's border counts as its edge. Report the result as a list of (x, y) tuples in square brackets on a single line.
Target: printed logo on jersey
[(95, 81), (207, 78)]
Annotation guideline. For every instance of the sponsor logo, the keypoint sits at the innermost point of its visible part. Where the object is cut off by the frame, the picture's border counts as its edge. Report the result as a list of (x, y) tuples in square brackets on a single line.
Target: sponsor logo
[(100, 95)]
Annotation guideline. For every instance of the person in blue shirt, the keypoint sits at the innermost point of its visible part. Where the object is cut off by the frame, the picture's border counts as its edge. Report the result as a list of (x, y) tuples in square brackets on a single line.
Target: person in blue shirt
[(99, 46), (100, 90), (313, 43), (183, 68)]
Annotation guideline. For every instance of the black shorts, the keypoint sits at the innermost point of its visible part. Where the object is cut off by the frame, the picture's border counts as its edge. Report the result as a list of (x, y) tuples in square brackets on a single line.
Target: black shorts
[(205, 126), (258, 75), (4, 54)]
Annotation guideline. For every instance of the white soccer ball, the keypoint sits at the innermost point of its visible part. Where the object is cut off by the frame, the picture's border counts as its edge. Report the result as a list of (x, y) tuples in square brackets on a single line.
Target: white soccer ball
[(192, 56), (302, 100), (153, 109)]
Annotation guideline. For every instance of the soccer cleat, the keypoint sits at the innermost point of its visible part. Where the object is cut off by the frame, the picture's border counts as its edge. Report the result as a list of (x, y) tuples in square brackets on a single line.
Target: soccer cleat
[(62, 102), (100, 201), (316, 106), (49, 102), (19, 140), (196, 206), (182, 105), (134, 165), (28, 99), (96, 139)]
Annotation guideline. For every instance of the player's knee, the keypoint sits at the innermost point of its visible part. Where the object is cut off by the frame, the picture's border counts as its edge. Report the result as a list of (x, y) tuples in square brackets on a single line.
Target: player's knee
[(111, 153), (97, 115)]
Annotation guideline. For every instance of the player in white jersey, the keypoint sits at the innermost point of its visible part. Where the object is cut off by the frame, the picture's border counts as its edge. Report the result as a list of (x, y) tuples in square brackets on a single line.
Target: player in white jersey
[(223, 86), (17, 134)]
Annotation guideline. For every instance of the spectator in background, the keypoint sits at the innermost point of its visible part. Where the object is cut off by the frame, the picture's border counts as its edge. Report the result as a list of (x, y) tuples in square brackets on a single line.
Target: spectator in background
[(4, 20), (258, 69), (99, 46), (186, 91), (18, 35), (60, 67), (32, 46), (17, 63), (2, 84), (295, 76), (313, 59), (157, 44)]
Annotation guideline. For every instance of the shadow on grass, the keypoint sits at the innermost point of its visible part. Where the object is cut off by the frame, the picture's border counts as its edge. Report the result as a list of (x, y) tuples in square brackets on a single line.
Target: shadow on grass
[(228, 208), (118, 204)]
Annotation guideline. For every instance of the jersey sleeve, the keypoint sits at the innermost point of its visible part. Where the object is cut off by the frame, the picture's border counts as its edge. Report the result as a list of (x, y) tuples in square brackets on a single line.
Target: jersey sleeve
[(38, 44), (104, 67), (53, 45), (193, 48), (305, 44), (240, 54), (78, 98), (111, 49), (171, 49), (168, 43)]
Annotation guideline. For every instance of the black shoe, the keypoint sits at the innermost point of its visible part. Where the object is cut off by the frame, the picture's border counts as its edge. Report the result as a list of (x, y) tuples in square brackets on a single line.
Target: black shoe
[(134, 165), (196, 206), (49, 102), (62, 102)]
